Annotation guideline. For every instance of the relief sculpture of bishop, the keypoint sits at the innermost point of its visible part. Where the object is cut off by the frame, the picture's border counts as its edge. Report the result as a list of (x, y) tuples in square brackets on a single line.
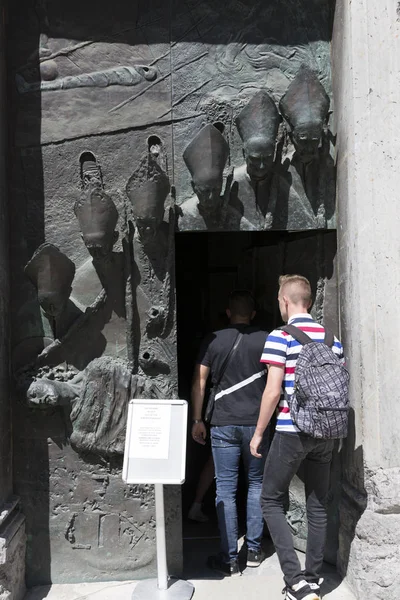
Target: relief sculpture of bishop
[(287, 179)]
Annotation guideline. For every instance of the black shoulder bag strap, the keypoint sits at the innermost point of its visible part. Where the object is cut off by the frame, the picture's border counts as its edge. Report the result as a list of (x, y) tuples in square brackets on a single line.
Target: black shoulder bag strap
[(228, 358), (211, 400), (304, 339)]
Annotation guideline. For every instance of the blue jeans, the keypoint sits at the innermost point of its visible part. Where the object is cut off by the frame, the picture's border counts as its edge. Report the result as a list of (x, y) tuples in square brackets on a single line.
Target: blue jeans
[(229, 443)]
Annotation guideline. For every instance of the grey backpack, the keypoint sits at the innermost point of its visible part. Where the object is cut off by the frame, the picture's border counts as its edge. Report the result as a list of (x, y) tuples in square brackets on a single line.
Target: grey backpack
[(319, 405)]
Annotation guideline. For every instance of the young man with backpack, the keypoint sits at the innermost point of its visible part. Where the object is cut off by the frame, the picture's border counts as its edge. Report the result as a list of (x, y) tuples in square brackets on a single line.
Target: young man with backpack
[(307, 362)]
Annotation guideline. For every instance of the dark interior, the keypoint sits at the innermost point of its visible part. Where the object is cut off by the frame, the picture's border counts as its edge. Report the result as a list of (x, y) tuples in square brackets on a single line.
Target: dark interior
[(208, 267)]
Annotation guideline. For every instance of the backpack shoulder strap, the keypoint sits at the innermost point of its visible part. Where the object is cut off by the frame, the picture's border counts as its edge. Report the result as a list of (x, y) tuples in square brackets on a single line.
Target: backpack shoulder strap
[(297, 334), (329, 338)]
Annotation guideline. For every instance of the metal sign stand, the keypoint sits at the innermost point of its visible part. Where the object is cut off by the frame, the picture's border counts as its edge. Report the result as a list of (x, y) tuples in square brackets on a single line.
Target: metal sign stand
[(162, 588)]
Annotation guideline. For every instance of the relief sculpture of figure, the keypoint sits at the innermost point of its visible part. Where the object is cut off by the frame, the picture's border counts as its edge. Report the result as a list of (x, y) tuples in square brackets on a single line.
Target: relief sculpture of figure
[(97, 390), (206, 157), (82, 310), (53, 330), (152, 248), (147, 190), (258, 125), (307, 185), (52, 273), (100, 280), (95, 210), (125, 76), (98, 398), (46, 319)]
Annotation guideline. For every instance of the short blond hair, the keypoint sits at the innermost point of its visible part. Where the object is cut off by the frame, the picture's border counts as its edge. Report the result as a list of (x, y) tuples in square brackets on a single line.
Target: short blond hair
[(297, 289)]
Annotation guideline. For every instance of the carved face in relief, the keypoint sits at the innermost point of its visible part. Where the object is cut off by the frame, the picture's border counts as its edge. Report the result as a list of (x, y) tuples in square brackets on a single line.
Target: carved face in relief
[(147, 227), (97, 216), (205, 157), (305, 107), (259, 154), (42, 393), (148, 197), (99, 238), (53, 302), (258, 124), (101, 248), (52, 273), (306, 140), (208, 193)]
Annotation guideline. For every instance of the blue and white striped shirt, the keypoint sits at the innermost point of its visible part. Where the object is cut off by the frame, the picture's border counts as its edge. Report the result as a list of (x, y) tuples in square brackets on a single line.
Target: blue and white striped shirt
[(282, 349)]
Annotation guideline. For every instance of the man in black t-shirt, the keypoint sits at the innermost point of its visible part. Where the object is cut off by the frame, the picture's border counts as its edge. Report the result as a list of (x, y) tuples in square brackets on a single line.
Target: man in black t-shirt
[(236, 409)]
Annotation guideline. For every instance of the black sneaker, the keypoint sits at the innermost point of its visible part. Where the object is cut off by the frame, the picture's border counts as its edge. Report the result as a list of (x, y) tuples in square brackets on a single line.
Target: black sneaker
[(300, 591), (315, 584), (229, 569), (316, 587), (255, 558)]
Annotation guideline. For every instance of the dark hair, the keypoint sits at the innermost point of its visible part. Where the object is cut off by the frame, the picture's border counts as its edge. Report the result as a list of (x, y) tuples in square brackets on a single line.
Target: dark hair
[(241, 303)]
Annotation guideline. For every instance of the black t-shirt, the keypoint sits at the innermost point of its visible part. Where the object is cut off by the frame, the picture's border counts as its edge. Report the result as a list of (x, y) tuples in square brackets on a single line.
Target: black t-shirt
[(238, 406)]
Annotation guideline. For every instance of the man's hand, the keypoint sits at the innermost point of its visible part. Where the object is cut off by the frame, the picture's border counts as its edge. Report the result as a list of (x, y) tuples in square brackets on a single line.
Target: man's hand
[(255, 444), (269, 400), (199, 433)]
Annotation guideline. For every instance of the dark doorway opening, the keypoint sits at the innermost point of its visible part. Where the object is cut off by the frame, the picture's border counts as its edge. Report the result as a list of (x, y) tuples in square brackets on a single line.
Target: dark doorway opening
[(208, 267)]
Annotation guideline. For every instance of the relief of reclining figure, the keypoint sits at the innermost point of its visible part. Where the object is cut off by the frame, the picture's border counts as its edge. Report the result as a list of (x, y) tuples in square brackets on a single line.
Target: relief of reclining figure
[(125, 76), (98, 397)]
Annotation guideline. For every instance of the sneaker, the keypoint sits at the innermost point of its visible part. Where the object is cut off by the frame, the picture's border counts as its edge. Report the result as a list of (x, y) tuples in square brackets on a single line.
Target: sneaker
[(196, 514), (229, 569), (300, 591), (316, 586), (255, 558)]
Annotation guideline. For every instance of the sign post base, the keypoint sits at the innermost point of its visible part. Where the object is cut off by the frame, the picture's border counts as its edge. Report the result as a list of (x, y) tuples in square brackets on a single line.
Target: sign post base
[(178, 589)]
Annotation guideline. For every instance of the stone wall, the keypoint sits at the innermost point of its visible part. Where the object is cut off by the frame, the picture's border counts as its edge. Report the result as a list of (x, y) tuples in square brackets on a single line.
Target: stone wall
[(366, 91)]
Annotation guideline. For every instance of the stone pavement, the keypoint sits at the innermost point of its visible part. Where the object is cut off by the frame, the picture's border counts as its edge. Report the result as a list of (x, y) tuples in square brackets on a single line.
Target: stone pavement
[(255, 584)]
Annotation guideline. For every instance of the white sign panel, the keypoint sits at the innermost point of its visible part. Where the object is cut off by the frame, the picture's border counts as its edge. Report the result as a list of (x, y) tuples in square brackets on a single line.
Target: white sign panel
[(151, 431), (155, 445)]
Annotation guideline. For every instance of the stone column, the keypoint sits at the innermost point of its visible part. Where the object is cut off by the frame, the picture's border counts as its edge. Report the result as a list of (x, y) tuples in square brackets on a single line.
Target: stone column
[(366, 67), (12, 530)]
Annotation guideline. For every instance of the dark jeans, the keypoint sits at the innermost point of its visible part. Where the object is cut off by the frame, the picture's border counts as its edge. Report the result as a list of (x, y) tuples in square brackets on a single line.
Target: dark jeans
[(229, 443), (287, 452)]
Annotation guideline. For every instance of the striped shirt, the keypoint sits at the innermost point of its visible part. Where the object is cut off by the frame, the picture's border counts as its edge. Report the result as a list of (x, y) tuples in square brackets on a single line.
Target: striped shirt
[(282, 349)]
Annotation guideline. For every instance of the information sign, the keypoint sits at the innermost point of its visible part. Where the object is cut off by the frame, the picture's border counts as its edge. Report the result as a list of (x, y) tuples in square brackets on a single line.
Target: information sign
[(155, 445)]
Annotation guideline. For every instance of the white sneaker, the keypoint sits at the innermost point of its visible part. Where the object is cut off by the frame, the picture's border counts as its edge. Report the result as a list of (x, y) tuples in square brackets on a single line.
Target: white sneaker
[(196, 514)]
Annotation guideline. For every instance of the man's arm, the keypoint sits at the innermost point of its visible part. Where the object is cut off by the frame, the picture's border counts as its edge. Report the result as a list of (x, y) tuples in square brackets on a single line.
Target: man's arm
[(199, 432), (270, 399)]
